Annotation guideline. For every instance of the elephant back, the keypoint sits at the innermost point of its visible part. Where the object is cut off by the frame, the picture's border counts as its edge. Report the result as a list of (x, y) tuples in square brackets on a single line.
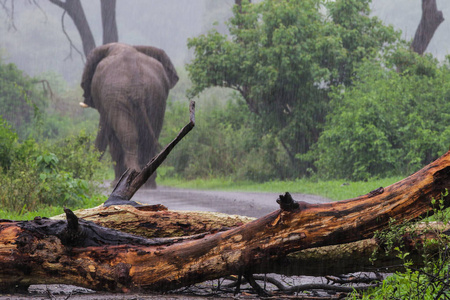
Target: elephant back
[(161, 56), (117, 64)]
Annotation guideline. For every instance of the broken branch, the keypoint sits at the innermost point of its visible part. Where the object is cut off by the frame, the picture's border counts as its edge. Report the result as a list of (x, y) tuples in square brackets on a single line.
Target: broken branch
[(130, 182)]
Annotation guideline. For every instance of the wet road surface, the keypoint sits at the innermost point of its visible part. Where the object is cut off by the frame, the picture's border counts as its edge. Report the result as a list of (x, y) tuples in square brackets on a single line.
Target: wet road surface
[(251, 204)]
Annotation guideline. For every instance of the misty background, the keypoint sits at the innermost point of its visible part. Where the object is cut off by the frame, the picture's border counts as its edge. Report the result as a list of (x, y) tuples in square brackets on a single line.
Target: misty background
[(235, 141), (37, 44)]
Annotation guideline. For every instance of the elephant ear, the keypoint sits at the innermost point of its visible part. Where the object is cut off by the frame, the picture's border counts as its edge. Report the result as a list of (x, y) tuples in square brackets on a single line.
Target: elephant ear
[(162, 57), (93, 59)]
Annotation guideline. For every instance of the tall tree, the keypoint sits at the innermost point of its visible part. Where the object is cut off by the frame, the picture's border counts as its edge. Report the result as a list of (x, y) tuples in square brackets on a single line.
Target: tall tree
[(283, 58), (75, 10), (108, 9)]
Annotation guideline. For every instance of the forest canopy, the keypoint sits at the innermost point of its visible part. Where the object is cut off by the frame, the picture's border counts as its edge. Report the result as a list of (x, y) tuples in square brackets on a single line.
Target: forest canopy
[(392, 120), (312, 95), (284, 57), (318, 76)]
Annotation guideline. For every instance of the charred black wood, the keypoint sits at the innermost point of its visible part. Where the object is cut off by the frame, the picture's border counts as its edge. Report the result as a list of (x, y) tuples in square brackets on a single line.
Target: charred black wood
[(287, 203), (80, 233), (376, 192)]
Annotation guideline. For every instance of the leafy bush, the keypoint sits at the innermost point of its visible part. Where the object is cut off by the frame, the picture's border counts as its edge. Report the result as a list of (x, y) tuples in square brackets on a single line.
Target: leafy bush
[(63, 116), (20, 100), (7, 140), (37, 166), (392, 121), (430, 279), (78, 156), (35, 175), (223, 144), (208, 149)]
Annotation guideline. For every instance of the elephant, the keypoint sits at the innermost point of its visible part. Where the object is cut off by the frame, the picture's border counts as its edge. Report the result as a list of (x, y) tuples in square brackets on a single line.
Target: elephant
[(129, 86)]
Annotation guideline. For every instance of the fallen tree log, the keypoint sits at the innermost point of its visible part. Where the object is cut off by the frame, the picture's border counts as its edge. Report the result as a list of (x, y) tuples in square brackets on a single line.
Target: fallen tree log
[(155, 221), (368, 255), (31, 252)]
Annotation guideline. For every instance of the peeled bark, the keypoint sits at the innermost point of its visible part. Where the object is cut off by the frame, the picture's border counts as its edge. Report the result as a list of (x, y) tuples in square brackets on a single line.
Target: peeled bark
[(154, 221), (31, 253)]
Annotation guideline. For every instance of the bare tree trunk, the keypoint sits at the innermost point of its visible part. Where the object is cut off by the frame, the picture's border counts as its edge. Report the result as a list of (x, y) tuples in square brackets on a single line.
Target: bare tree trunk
[(110, 34), (76, 12), (108, 10), (430, 21)]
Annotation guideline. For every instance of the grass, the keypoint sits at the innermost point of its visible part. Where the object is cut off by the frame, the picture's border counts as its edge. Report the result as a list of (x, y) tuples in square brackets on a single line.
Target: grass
[(49, 211), (333, 189), (29, 215)]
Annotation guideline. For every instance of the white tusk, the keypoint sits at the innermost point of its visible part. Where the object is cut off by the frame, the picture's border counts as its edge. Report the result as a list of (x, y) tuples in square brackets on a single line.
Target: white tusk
[(84, 105)]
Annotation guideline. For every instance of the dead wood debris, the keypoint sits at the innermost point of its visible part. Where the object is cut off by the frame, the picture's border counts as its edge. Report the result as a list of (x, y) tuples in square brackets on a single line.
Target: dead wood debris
[(273, 286)]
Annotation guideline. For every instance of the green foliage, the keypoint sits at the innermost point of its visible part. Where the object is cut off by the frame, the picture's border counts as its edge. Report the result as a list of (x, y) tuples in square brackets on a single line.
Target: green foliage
[(331, 189), (414, 284), (430, 280), (36, 175), (20, 100), (79, 155), (46, 158), (8, 139), (223, 143), (42, 107), (390, 122), (63, 116), (209, 149), (391, 240), (440, 213), (283, 57)]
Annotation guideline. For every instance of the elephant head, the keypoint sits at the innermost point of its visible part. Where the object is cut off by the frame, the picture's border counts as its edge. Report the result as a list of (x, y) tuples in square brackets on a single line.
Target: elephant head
[(129, 86)]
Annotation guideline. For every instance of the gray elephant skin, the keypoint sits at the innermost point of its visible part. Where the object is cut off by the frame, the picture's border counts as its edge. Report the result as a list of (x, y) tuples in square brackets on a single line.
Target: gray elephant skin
[(129, 86)]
